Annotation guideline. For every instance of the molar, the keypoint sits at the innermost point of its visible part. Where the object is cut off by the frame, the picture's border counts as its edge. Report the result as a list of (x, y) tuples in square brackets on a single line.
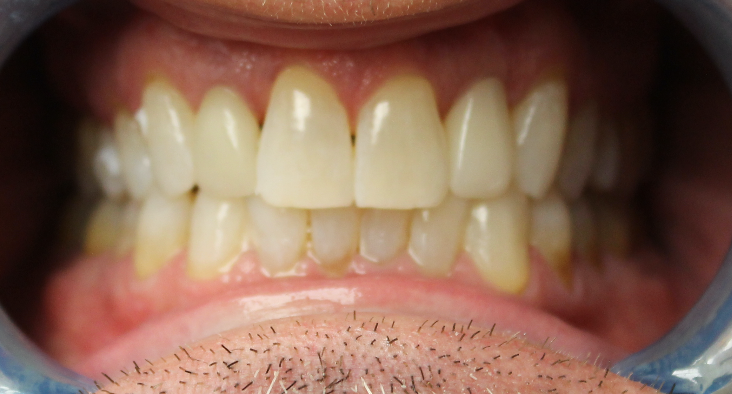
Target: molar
[(305, 154), (584, 232), (551, 234), (279, 234), (579, 151), (480, 144), (136, 167), (607, 164), (437, 234), (384, 233), (225, 140), (334, 233), (401, 155)]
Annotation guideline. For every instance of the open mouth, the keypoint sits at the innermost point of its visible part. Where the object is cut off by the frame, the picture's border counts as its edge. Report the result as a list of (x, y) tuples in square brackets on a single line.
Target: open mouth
[(459, 197)]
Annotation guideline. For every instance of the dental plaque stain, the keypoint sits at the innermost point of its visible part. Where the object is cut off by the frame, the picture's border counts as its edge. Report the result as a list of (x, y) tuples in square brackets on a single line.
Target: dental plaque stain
[(369, 354)]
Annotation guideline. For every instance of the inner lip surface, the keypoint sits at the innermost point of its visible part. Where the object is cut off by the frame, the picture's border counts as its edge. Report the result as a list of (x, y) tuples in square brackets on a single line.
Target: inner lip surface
[(486, 321)]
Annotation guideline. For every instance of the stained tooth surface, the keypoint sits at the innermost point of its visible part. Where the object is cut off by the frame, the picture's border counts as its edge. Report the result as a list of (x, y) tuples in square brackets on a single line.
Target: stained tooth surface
[(384, 233), (225, 142), (279, 234), (218, 226), (104, 227), (497, 239), (584, 231), (480, 142), (579, 152), (334, 233), (162, 231), (135, 159), (551, 234), (167, 124), (607, 163), (540, 123), (305, 154), (401, 157), (437, 234), (108, 167)]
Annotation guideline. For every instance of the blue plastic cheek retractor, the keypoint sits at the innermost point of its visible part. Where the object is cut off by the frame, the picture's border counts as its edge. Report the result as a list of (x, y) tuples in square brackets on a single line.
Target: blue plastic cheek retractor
[(695, 357)]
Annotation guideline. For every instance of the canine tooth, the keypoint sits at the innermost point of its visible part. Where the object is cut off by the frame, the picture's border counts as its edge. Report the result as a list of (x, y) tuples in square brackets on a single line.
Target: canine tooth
[(168, 129), (436, 236), (225, 145), (607, 164), (401, 155), (334, 233), (479, 137), (384, 233), (551, 234), (103, 228), (136, 167), (497, 239), (162, 231), (279, 234), (584, 232), (305, 154), (107, 166), (217, 228), (540, 123), (128, 230), (579, 152)]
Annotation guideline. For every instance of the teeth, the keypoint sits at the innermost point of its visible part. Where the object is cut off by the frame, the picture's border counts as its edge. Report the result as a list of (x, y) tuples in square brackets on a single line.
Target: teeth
[(551, 234), (133, 155), (400, 148), (540, 122), (104, 227), (87, 138), (481, 149), (615, 229), (107, 167), (167, 127), (217, 229), (584, 232), (334, 235), (305, 155), (497, 239), (384, 233), (579, 152), (162, 231), (225, 145), (130, 218), (436, 236), (279, 234), (607, 164)]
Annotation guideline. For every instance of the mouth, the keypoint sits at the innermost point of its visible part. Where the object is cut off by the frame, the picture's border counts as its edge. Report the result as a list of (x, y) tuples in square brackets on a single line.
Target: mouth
[(455, 196)]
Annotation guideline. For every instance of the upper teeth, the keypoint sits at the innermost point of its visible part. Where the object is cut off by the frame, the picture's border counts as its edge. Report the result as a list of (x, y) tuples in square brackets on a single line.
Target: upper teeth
[(406, 167)]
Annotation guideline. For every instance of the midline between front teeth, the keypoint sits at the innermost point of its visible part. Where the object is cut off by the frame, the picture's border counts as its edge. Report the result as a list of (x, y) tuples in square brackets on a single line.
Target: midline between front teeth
[(487, 179)]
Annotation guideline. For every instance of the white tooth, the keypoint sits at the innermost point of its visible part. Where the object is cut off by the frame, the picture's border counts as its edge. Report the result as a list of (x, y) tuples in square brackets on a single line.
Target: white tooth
[(217, 229), (87, 140), (497, 239), (305, 155), (130, 217), (584, 232), (162, 231), (108, 167), (607, 164), (225, 145), (579, 152), (436, 236), (481, 148), (168, 129), (133, 153), (540, 123), (401, 154), (334, 235), (384, 233), (279, 234), (551, 234), (103, 228)]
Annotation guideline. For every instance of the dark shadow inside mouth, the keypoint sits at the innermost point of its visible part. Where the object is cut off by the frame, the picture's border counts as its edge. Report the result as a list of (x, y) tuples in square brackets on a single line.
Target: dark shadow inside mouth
[(36, 168)]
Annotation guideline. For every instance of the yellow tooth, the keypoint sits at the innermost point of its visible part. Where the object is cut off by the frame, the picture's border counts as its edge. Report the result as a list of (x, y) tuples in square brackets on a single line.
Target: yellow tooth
[(279, 234), (579, 152), (551, 234), (135, 159), (540, 123), (479, 137), (584, 232), (226, 136), (437, 234), (217, 228), (103, 228), (167, 123), (607, 163), (334, 234), (497, 239), (384, 233), (126, 240), (305, 155), (401, 154), (162, 231)]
